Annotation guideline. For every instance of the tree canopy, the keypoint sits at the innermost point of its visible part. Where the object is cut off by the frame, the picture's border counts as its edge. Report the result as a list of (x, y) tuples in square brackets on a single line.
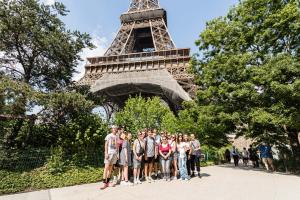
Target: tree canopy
[(140, 113), (249, 71), (35, 45)]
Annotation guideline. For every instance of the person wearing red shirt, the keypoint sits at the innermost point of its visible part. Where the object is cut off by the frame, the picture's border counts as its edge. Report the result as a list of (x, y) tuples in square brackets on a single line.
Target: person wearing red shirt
[(165, 152)]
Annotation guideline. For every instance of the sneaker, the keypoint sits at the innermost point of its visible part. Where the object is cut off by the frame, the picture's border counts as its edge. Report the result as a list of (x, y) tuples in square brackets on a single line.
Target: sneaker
[(199, 175), (139, 181), (123, 183), (126, 183), (112, 184), (105, 185)]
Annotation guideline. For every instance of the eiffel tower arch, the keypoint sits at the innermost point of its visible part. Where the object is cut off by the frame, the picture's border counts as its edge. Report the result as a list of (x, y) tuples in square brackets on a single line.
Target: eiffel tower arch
[(142, 59)]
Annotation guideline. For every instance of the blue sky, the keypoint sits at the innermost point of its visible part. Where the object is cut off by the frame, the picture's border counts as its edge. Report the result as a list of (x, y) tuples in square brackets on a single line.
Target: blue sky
[(100, 18)]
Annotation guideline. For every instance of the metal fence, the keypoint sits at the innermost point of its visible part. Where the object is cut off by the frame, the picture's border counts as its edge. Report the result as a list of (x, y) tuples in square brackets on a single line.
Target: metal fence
[(26, 160)]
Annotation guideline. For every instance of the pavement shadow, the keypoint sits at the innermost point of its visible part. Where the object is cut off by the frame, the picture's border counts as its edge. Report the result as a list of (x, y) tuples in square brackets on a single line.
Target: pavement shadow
[(205, 175), (250, 168)]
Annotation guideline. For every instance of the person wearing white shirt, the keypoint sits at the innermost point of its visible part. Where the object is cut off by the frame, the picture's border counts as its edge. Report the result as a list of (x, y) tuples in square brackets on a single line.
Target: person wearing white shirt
[(182, 158)]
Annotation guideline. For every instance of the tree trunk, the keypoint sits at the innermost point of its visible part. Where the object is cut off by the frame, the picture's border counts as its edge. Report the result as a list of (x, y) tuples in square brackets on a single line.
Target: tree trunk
[(295, 145)]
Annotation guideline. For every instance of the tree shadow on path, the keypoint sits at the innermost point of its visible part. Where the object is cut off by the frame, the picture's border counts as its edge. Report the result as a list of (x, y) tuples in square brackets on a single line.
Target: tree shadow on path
[(250, 168)]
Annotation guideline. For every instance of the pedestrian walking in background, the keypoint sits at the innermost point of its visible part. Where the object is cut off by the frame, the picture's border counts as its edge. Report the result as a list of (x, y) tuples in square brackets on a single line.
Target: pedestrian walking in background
[(266, 156), (245, 156), (235, 156), (253, 157), (227, 156)]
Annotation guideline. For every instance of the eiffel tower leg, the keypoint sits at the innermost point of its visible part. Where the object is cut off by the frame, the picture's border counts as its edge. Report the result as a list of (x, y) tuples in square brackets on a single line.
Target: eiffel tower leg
[(161, 38), (119, 43)]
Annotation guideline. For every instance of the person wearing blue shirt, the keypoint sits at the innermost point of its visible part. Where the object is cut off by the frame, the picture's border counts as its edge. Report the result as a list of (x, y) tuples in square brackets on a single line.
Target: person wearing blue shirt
[(266, 156), (235, 156)]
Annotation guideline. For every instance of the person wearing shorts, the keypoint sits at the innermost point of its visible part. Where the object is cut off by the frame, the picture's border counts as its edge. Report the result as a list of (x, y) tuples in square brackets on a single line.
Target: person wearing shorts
[(266, 156), (149, 156), (111, 156), (174, 160), (138, 153), (125, 158), (245, 155)]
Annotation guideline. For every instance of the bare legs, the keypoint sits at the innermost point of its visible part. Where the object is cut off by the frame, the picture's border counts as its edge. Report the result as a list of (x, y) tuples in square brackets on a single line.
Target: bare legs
[(136, 174), (175, 172)]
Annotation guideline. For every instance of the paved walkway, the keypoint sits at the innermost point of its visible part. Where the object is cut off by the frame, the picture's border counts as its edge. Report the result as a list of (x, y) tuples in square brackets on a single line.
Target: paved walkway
[(218, 183)]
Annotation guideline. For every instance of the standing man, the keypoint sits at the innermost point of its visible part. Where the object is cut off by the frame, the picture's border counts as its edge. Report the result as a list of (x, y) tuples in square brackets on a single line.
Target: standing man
[(149, 155), (196, 155), (235, 155), (253, 157), (266, 156), (110, 156)]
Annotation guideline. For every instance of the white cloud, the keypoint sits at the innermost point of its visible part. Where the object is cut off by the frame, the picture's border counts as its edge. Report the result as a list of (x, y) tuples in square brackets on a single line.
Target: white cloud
[(101, 45), (49, 2)]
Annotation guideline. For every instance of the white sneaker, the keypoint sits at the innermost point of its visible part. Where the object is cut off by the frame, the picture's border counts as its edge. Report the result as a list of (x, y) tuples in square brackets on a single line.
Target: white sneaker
[(128, 183), (148, 179), (123, 183), (139, 181)]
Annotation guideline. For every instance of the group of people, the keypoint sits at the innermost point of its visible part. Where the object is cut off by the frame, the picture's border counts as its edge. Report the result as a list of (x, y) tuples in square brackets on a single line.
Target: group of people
[(150, 156), (263, 153)]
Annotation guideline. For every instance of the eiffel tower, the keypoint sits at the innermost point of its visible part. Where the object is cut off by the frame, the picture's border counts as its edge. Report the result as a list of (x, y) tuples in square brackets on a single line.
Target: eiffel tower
[(142, 59)]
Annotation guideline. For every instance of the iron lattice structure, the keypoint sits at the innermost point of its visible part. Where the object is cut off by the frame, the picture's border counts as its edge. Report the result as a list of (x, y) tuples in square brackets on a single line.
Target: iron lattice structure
[(142, 59)]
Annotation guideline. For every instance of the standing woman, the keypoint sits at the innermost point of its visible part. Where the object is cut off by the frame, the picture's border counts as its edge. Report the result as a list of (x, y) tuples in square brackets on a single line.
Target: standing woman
[(157, 138), (125, 159), (188, 153), (182, 158), (196, 155), (165, 152), (174, 155), (138, 153)]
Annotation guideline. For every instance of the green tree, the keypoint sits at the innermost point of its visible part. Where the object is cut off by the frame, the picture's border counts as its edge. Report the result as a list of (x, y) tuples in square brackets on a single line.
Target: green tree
[(249, 71), (37, 47), (140, 113), (205, 122)]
